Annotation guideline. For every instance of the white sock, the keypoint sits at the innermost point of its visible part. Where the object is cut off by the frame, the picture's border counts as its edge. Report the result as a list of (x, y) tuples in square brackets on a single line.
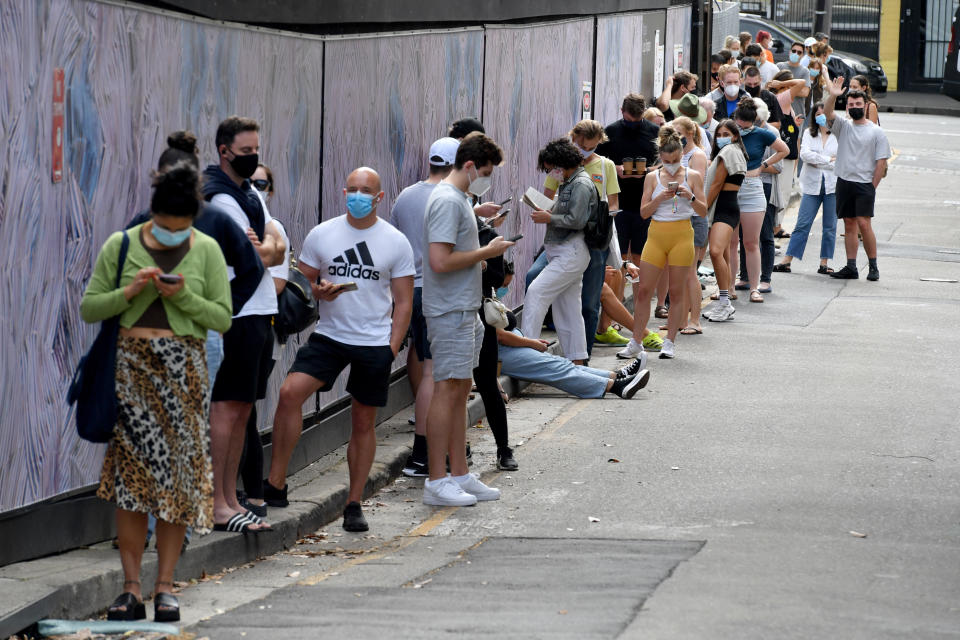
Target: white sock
[(462, 478)]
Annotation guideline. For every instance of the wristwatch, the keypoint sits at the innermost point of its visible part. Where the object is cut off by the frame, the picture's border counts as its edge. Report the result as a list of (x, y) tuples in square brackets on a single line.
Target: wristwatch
[(764, 165), (693, 198)]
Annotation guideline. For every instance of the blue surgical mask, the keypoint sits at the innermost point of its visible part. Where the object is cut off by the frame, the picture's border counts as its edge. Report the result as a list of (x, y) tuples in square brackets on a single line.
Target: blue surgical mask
[(745, 131), (584, 152), (170, 238), (794, 58), (502, 292), (821, 120), (359, 204), (814, 73), (724, 141)]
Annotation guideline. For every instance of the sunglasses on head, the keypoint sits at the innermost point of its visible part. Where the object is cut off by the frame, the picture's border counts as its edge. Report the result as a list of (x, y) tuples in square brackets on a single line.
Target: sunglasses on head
[(261, 185)]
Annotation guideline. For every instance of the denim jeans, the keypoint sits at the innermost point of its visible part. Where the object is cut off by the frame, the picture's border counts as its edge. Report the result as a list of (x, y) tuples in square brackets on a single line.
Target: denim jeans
[(538, 265), (592, 290), (214, 355), (768, 249), (809, 205), (525, 363)]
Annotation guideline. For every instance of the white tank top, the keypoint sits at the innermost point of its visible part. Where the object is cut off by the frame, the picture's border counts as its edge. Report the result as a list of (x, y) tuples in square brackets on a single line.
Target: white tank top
[(685, 159), (676, 208)]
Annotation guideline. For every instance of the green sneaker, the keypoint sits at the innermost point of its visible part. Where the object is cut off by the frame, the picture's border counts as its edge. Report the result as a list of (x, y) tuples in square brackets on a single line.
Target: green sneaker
[(612, 337), (653, 342)]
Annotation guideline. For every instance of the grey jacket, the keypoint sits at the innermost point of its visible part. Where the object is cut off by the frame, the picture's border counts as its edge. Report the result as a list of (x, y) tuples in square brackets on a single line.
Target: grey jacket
[(577, 202)]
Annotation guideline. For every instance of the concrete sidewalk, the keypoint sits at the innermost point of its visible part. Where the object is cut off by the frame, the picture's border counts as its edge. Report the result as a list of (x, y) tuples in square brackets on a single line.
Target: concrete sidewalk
[(929, 103), (81, 583)]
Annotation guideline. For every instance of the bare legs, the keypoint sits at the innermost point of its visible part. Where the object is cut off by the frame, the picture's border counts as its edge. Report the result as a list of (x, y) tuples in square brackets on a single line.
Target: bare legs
[(131, 536), (720, 246), (228, 423), (447, 428), (288, 423), (861, 224), (362, 448), (752, 221)]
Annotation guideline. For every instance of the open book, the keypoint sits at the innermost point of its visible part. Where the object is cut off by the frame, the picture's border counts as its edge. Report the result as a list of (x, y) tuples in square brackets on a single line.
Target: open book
[(537, 200)]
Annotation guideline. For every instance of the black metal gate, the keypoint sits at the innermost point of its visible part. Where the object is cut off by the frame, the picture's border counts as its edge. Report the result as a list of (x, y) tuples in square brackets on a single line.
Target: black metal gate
[(856, 23), (924, 36)]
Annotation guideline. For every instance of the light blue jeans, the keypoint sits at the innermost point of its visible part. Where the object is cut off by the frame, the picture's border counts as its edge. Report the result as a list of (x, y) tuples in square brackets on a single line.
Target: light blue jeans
[(525, 363), (809, 205)]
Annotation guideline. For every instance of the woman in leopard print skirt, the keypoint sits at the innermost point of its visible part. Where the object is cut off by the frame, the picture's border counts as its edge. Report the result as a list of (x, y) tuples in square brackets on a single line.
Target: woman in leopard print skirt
[(173, 288)]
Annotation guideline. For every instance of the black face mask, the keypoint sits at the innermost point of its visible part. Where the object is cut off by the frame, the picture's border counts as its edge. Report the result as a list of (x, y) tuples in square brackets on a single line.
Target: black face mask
[(245, 166), (855, 112), (753, 91)]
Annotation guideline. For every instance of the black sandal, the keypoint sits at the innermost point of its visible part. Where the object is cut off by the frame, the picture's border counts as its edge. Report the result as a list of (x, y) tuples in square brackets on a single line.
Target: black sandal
[(166, 606), (126, 607), (824, 269), (781, 234), (783, 267)]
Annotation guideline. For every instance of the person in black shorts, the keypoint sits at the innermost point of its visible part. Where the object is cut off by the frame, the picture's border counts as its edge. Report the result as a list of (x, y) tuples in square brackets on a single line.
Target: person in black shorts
[(362, 269)]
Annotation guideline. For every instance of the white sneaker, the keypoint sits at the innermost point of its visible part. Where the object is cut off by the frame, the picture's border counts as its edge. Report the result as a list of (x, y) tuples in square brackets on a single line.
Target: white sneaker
[(709, 309), (445, 492), (667, 351), (722, 313), (472, 485), (631, 351)]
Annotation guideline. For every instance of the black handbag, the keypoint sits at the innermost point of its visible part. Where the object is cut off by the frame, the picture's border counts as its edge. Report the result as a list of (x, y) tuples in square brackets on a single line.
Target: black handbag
[(296, 308), (790, 134), (94, 385)]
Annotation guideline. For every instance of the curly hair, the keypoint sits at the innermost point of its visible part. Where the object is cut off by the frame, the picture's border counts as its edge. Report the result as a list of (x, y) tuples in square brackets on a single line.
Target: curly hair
[(746, 110), (559, 154), (481, 149), (176, 191)]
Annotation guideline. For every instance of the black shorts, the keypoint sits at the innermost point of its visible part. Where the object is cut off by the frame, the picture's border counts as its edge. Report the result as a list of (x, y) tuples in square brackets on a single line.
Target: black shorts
[(727, 210), (855, 199), (247, 360), (631, 231), (418, 327), (324, 359)]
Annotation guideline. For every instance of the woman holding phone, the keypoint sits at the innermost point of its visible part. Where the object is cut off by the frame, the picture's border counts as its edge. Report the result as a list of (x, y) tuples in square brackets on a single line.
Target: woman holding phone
[(671, 196), (173, 288)]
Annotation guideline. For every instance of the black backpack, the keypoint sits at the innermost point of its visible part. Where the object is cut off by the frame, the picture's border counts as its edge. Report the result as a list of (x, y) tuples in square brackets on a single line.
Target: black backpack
[(599, 230)]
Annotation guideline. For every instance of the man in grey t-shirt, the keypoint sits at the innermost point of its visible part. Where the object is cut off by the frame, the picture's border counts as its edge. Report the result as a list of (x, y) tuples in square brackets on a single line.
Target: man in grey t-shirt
[(862, 152), (799, 72), (407, 216), (451, 293)]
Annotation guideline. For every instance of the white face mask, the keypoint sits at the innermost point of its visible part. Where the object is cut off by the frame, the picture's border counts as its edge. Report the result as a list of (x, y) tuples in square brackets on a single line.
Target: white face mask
[(672, 167), (479, 185), (732, 90)]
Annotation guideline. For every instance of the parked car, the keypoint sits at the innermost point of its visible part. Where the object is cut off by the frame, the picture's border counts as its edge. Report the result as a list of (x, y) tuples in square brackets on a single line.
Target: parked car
[(951, 72), (782, 37)]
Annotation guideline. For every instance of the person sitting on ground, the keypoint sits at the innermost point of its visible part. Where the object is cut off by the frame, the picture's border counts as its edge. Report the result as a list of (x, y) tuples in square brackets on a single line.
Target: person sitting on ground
[(527, 359), (361, 269)]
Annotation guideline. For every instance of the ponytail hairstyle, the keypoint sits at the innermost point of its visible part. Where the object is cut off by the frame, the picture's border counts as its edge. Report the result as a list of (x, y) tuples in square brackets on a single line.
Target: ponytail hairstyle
[(689, 129), (867, 91), (181, 147), (669, 140), (746, 110), (176, 191)]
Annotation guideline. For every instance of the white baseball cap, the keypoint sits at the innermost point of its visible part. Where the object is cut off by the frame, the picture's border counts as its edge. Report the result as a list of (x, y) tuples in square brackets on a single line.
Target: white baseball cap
[(443, 152), (809, 42)]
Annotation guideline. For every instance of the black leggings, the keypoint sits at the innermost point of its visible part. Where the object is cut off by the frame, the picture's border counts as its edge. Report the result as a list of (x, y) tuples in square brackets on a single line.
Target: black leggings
[(485, 377), (251, 464)]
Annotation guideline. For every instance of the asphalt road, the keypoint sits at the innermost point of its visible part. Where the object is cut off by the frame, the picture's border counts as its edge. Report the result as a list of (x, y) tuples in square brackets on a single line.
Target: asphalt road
[(794, 473)]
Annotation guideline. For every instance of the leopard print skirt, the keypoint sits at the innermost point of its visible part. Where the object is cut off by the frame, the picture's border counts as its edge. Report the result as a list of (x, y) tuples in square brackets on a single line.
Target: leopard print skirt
[(159, 458)]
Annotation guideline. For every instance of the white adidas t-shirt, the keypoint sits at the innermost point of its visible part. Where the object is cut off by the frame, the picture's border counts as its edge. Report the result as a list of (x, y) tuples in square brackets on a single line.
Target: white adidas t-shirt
[(263, 302), (369, 257)]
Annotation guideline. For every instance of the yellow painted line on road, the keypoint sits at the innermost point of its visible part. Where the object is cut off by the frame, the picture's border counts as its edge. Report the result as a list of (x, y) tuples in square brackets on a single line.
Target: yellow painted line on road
[(893, 155)]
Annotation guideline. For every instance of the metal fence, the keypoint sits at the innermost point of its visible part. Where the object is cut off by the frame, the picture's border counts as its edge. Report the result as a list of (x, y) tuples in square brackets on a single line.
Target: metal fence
[(856, 23), (726, 22)]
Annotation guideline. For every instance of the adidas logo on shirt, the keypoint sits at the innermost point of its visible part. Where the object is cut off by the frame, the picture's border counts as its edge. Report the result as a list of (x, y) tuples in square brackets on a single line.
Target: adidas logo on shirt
[(355, 263)]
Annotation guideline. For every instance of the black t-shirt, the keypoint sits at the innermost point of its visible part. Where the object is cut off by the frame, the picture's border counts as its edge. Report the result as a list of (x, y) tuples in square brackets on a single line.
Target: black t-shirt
[(631, 140)]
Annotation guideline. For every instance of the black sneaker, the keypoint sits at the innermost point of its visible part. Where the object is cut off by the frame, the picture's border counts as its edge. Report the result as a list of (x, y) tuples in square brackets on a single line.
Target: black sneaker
[(273, 496), (505, 460), (628, 387), (874, 274), (847, 273), (415, 468), (633, 368), (353, 519)]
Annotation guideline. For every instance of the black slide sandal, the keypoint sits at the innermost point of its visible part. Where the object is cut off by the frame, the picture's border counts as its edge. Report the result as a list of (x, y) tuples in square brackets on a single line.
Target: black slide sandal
[(166, 607), (133, 609)]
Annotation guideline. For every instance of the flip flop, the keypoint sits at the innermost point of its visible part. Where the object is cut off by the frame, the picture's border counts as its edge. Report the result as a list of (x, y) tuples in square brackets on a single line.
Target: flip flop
[(767, 289), (691, 331), (755, 296), (742, 286), (239, 523)]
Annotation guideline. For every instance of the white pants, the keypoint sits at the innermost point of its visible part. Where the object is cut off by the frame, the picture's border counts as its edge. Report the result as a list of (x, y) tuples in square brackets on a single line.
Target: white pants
[(559, 284), (785, 183)]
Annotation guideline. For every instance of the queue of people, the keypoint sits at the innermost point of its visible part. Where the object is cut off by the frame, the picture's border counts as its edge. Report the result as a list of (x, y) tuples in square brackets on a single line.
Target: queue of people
[(195, 279)]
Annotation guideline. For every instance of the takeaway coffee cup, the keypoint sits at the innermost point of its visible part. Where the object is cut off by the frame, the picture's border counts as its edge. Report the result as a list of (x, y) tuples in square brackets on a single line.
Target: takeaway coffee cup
[(628, 166), (640, 165)]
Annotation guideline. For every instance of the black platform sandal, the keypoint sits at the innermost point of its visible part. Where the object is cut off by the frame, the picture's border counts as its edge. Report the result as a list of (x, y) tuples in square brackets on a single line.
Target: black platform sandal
[(127, 606), (166, 606)]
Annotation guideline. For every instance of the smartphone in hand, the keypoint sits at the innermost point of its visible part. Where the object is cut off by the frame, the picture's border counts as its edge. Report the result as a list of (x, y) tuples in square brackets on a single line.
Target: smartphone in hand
[(348, 286), (515, 238), (505, 201), (169, 278)]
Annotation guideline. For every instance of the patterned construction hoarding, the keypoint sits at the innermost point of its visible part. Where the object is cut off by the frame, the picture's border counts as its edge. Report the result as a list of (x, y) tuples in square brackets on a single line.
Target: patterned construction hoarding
[(620, 53), (132, 77), (531, 95)]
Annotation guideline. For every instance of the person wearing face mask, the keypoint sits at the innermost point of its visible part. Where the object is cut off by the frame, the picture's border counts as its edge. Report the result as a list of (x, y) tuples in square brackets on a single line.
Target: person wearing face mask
[(678, 85), (753, 203), (173, 288), (817, 184), (361, 269), (798, 71), (862, 152), (766, 66), (671, 196), (728, 94), (587, 136), (452, 289), (561, 282), (248, 346), (753, 85)]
